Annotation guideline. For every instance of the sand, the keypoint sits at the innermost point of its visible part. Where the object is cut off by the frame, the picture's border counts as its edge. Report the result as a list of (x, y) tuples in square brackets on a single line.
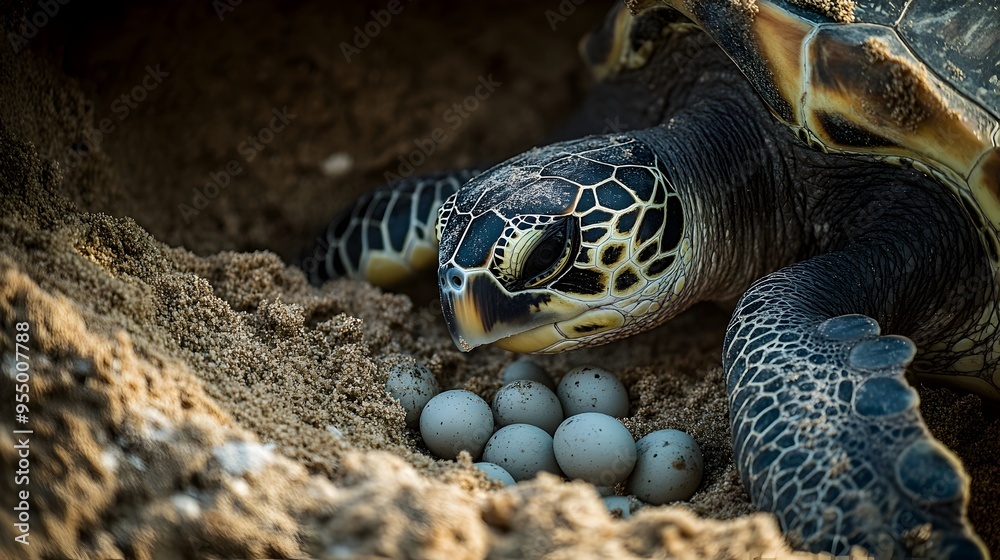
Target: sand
[(192, 395)]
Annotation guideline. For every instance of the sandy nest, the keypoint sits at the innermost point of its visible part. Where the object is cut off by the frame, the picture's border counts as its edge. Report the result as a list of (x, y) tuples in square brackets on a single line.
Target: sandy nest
[(192, 395)]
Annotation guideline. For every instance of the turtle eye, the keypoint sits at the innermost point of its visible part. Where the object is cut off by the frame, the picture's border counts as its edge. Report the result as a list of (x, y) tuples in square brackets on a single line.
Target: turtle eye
[(535, 250), (551, 254)]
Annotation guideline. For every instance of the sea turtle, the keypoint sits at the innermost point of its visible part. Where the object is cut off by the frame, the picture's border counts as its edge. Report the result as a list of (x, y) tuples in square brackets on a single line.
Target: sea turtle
[(832, 164)]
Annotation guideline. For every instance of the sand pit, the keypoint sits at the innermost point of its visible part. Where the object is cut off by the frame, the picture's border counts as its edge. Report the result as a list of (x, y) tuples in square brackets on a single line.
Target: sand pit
[(194, 396)]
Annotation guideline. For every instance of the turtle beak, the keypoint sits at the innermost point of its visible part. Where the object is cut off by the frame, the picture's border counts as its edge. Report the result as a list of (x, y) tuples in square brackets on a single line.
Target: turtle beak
[(478, 311)]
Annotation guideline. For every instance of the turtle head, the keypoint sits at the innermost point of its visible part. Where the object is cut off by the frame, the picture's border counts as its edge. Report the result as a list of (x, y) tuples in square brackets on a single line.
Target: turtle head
[(571, 245)]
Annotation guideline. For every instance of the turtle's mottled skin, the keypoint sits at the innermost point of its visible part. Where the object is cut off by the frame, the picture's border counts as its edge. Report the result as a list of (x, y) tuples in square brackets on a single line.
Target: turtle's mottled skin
[(835, 171)]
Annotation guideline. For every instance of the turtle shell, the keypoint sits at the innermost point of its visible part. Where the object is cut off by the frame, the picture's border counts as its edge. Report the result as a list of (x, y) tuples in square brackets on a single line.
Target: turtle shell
[(908, 82)]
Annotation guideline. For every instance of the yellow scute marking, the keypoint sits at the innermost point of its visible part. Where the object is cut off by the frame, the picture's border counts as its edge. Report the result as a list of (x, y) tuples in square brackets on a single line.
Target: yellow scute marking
[(878, 86), (963, 345), (970, 364), (385, 271), (590, 323), (531, 341), (423, 256), (679, 285), (780, 36)]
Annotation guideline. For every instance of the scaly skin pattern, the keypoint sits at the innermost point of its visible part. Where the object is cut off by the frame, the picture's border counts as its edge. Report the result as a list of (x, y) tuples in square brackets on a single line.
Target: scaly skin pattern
[(826, 430), (827, 434)]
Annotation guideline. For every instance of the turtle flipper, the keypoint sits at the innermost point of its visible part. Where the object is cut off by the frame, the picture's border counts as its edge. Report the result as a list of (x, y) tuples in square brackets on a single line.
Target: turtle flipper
[(826, 430), (387, 235)]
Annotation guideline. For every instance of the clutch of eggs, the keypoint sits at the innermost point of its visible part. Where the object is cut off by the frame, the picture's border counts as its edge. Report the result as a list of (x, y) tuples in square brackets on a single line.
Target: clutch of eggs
[(534, 425)]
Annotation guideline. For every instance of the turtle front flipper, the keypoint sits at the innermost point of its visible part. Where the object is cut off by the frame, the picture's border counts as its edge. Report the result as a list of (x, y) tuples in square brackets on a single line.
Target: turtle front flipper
[(826, 431), (387, 236)]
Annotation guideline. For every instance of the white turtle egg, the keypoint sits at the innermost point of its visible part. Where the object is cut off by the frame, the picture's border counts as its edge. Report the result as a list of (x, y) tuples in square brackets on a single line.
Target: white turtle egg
[(527, 402), (522, 450), (456, 420), (495, 472), (595, 448), (412, 384), (592, 389), (524, 368), (669, 467)]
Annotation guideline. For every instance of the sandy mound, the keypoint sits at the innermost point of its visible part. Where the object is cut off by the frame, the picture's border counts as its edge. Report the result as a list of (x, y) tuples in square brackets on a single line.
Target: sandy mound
[(187, 402)]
